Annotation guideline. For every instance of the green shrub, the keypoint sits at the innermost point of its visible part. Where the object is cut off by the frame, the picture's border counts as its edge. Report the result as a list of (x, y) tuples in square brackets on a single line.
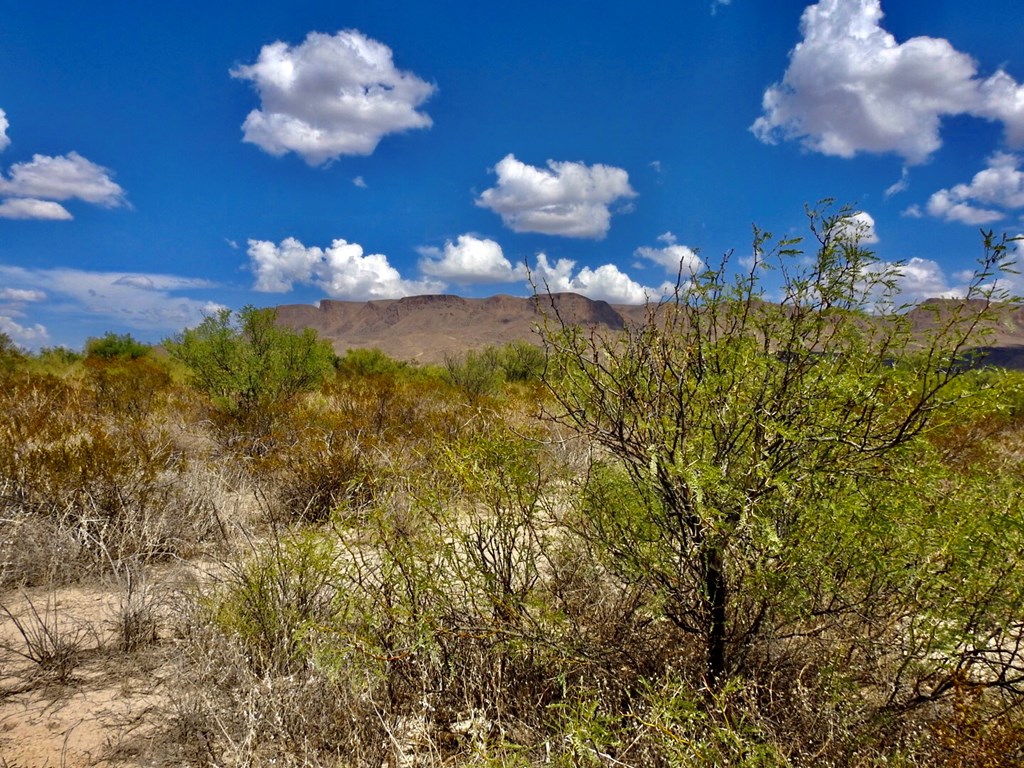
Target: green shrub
[(57, 361), (475, 374), (11, 355), (252, 369), (370, 362), (522, 361), (745, 552), (277, 603), (116, 346)]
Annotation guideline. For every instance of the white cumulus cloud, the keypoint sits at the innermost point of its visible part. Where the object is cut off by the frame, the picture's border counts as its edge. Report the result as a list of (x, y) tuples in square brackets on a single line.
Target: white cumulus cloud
[(674, 258), (32, 187), (921, 279), (605, 283), (4, 125), (913, 281), (30, 208), (947, 204), (999, 186), (32, 336), (342, 270), (331, 95), (566, 198), (851, 87), (470, 260), (859, 228), (65, 177)]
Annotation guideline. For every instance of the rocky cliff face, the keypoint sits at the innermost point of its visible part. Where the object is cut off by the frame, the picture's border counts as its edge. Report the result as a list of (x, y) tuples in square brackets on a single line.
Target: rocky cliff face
[(426, 328)]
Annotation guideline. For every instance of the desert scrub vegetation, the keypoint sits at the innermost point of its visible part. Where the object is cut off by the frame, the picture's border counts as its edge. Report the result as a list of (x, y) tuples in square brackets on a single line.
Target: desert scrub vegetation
[(740, 533), (90, 474), (743, 532), (487, 372)]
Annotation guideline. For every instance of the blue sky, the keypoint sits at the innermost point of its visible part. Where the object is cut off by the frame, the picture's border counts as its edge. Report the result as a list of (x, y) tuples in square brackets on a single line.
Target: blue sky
[(159, 160)]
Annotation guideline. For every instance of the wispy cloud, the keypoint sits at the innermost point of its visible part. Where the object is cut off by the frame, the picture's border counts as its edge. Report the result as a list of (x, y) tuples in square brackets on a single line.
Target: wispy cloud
[(901, 185), (144, 301), (4, 125)]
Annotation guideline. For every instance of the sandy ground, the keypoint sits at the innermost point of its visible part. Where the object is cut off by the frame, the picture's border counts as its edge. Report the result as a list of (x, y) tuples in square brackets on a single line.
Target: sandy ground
[(107, 707)]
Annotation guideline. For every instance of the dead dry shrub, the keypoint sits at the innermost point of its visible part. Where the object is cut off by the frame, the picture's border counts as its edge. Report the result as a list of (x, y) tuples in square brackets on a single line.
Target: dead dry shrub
[(128, 388), (343, 447), (320, 471), (976, 730), (46, 637), (225, 714), (136, 619), (37, 550), (84, 490)]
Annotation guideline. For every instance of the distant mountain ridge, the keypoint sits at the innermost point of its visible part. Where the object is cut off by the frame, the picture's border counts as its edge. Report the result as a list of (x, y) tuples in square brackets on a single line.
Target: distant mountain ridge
[(426, 328)]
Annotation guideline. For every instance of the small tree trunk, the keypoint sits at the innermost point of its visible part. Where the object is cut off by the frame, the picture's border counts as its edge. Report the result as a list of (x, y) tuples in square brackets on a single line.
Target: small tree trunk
[(716, 593)]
